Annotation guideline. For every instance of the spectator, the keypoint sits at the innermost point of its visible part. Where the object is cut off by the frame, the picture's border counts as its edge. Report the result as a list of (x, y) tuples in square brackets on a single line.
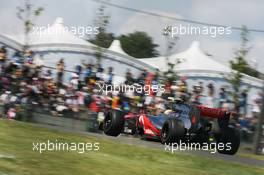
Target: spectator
[(209, 100), (257, 100), (110, 76), (60, 71), (142, 77), (28, 55), (129, 78), (87, 72), (74, 82), (3, 54), (222, 97), (99, 73), (201, 85), (78, 69), (197, 96), (243, 103)]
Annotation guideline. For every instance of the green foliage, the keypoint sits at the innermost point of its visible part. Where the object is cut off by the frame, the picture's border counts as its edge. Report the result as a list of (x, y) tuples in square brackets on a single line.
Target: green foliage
[(38, 11), (103, 39), (170, 75), (240, 66), (102, 19), (239, 63), (27, 13), (235, 79), (139, 45)]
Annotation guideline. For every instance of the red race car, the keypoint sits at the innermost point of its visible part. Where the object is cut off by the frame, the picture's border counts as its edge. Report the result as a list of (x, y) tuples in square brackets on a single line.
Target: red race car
[(185, 123)]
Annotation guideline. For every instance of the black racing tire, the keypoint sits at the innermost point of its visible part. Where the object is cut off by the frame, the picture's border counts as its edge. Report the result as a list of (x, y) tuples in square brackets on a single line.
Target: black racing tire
[(114, 123), (172, 131), (200, 137), (229, 136)]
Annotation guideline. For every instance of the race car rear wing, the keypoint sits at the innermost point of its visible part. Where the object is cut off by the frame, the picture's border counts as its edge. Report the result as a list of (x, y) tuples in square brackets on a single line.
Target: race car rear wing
[(212, 112), (221, 115)]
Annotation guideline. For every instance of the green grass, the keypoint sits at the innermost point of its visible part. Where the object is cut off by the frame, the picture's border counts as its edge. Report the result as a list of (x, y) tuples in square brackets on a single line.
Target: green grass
[(16, 140), (251, 156)]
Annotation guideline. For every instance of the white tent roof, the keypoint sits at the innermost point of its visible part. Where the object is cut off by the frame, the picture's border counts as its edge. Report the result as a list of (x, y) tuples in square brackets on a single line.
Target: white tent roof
[(55, 34), (156, 62), (116, 47), (193, 59)]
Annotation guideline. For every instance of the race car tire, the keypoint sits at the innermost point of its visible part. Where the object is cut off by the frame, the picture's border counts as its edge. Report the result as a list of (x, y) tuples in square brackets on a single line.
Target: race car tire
[(201, 137), (172, 131), (114, 123), (231, 137)]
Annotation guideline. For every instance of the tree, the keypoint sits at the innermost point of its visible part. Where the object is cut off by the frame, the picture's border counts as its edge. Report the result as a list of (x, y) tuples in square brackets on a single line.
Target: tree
[(27, 13), (139, 45), (239, 63), (170, 75), (102, 39), (235, 79), (240, 66)]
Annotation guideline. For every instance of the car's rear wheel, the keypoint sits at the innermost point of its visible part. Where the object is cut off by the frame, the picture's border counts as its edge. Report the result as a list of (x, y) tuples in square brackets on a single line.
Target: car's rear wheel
[(114, 123), (172, 131), (231, 139)]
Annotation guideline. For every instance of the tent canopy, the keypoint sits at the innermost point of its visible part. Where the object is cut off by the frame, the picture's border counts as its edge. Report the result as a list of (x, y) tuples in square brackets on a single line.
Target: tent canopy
[(116, 47), (193, 59), (57, 33)]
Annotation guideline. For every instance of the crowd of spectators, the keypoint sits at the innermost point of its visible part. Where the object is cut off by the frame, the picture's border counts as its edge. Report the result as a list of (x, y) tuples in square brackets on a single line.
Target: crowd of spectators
[(27, 85)]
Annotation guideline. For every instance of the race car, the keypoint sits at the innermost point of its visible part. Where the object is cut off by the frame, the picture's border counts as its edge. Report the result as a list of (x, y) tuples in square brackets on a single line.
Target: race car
[(185, 123)]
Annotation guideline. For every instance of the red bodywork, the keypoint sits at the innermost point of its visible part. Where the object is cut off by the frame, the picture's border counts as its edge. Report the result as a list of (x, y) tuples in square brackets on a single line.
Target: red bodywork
[(151, 131), (148, 128)]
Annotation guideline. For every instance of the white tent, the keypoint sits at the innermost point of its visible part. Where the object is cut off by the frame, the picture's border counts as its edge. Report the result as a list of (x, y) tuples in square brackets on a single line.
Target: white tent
[(57, 33), (191, 60), (57, 37), (195, 59), (116, 47), (156, 62), (195, 63)]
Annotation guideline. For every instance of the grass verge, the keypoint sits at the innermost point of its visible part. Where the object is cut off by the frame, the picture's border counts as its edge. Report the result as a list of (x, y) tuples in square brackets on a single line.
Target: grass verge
[(17, 157)]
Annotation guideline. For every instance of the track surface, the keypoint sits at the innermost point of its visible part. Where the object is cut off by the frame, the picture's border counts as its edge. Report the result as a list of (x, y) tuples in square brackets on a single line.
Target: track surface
[(152, 144)]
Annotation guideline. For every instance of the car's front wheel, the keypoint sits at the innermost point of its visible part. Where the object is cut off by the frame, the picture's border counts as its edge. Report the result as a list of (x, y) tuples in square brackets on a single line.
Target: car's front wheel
[(114, 123)]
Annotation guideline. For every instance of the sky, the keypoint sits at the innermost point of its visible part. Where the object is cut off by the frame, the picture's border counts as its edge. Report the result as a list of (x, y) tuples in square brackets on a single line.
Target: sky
[(226, 12)]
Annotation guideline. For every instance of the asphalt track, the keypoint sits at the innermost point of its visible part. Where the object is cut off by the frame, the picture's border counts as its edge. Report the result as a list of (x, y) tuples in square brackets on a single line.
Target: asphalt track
[(156, 145)]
